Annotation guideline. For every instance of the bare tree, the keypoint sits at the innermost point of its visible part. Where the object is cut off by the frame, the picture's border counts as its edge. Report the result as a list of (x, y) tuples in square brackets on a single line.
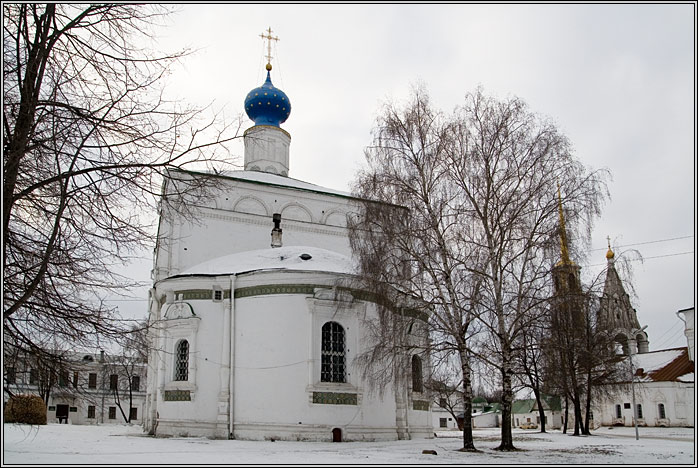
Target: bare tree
[(531, 364), (418, 251), (506, 162), (88, 136), (482, 226), (444, 388)]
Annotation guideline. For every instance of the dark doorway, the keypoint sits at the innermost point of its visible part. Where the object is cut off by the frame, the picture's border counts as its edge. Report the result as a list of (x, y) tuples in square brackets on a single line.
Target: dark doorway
[(62, 413), (336, 435)]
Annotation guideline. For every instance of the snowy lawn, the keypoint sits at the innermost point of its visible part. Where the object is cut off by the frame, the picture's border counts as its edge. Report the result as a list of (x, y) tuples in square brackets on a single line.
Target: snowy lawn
[(123, 444)]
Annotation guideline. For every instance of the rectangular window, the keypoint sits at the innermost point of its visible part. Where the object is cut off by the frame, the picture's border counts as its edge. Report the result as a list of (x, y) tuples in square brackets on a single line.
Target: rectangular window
[(133, 414), (639, 411), (63, 379), (442, 402), (217, 295), (11, 375), (626, 405), (33, 376), (90, 412), (619, 413), (114, 382), (136, 383), (112, 412), (442, 422), (92, 380), (73, 409), (75, 380)]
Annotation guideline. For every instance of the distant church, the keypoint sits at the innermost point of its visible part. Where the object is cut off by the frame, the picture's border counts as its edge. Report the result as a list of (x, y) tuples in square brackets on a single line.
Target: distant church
[(660, 383), (252, 336)]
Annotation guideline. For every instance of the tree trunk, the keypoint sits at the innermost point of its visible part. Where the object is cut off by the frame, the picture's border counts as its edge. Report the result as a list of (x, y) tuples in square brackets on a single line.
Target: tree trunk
[(468, 443), (541, 410), (567, 415), (507, 442), (587, 413)]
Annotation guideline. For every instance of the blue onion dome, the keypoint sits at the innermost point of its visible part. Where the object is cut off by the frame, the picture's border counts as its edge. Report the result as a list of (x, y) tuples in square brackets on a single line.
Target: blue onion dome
[(267, 105)]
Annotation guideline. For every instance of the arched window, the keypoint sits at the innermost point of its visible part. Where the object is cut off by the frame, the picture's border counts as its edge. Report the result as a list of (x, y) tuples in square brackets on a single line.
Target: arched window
[(333, 355), (182, 360), (417, 374), (661, 411)]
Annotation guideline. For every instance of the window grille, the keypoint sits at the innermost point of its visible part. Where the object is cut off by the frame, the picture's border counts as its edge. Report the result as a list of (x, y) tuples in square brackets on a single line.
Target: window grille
[(417, 374), (182, 361), (333, 354), (136, 383), (639, 411), (662, 411), (442, 422)]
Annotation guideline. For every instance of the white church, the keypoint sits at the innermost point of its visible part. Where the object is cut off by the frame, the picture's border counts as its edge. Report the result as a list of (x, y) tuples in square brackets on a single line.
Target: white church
[(254, 321)]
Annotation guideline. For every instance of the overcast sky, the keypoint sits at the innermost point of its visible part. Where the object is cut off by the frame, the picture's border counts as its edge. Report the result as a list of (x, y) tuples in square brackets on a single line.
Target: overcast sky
[(618, 80)]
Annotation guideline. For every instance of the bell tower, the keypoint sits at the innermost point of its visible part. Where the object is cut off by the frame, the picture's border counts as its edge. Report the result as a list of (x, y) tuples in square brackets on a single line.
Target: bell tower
[(616, 314)]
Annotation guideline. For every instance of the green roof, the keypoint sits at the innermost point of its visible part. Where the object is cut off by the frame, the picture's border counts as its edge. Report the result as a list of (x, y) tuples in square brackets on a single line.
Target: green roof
[(554, 402), (479, 400), (522, 406)]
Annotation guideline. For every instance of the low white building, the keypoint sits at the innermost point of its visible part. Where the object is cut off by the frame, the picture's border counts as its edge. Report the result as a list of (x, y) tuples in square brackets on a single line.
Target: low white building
[(83, 388), (664, 387)]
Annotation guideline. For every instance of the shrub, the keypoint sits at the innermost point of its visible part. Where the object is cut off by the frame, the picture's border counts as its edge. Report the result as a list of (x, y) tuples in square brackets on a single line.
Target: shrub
[(26, 409)]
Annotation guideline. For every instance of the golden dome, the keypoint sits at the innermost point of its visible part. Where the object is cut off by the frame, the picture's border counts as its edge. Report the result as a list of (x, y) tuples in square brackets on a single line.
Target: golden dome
[(609, 254)]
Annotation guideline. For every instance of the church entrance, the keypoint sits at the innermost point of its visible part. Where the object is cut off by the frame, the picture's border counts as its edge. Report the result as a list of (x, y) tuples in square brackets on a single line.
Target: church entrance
[(62, 413), (336, 435)]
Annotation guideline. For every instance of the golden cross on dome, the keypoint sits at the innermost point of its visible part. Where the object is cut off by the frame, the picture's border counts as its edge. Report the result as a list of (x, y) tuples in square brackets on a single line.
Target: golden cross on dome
[(269, 38)]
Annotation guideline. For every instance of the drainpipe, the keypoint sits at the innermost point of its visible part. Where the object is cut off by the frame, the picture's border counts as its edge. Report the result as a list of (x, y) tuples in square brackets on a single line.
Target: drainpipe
[(231, 388)]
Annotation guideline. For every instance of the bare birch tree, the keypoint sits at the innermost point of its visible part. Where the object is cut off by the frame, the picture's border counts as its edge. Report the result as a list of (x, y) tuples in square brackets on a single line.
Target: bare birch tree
[(87, 138), (480, 188), (419, 251)]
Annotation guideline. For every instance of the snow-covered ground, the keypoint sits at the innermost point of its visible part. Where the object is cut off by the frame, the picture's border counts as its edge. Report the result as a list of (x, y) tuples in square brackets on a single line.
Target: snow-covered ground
[(123, 444)]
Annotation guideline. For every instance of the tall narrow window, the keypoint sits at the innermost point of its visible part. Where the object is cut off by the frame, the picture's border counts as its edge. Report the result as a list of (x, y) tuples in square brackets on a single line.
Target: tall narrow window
[(133, 414), (92, 380), (417, 374), (11, 376), (75, 380), (33, 376), (112, 412), (639, 411), (114, 382), (619, 413), (90, 412), (333, 355), (661, 410), (182, 360), (136, 383)]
